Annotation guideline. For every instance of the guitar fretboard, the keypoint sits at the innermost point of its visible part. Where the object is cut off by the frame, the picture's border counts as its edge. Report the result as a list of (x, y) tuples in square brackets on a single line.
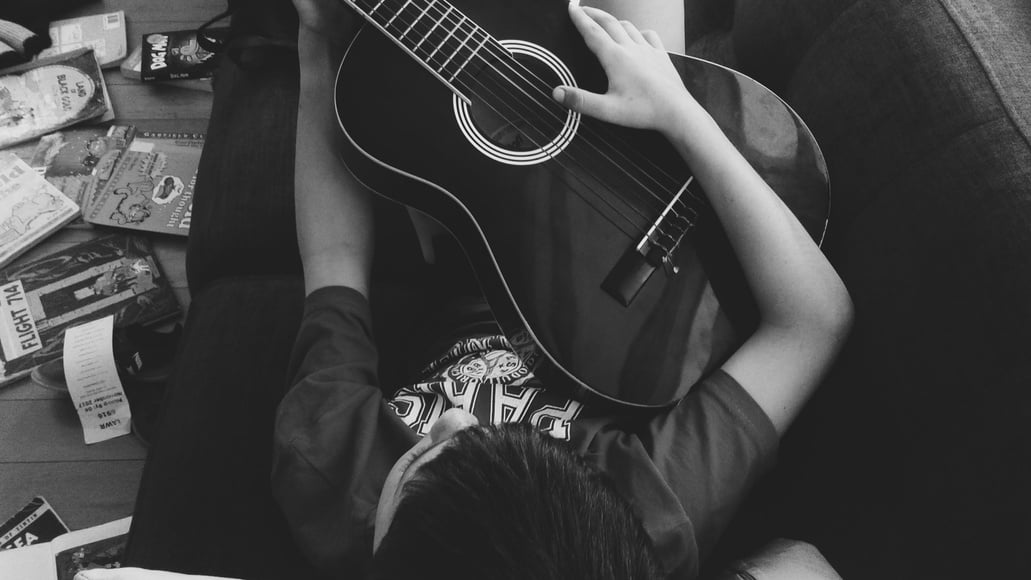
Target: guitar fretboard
[(433, 32)]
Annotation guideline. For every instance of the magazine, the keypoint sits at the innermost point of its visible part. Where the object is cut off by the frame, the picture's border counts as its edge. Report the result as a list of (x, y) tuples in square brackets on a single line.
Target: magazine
[(35, 523), (104, 33), (30, 208), (152, 185), (174, 55), (116, 274), (63, 557), (45, 95)]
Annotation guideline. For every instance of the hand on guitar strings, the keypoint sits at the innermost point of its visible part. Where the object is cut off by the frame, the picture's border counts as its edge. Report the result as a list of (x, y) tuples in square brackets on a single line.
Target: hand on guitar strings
[(644, 90)]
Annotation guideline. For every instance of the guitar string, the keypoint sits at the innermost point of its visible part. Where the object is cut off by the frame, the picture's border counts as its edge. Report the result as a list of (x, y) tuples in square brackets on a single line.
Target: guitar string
[(676, 220), (659, 229), (659, 226), (641, 230), (505, 57), (501, 53)]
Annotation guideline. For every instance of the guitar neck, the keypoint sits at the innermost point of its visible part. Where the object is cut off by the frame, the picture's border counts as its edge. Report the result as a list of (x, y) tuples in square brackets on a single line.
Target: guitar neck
[(434, 33)]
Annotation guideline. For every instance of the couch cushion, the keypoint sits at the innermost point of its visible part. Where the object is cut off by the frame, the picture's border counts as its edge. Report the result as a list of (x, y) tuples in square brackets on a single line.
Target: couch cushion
[(910, 460)]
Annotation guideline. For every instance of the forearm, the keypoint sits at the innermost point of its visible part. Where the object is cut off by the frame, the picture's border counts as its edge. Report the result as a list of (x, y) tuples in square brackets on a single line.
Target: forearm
[(334, 213), (805, 311), (792, 281)]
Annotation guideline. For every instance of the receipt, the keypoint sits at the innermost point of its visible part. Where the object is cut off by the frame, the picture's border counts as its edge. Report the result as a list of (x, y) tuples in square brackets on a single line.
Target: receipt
[(89, 368)]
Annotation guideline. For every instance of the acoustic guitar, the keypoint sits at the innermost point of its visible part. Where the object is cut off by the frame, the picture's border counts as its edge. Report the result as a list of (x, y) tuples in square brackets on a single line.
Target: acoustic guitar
[(596, 251)]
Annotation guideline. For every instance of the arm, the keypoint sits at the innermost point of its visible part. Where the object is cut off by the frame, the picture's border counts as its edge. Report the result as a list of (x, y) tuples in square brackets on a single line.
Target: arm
[(334, 212), (805, 311)]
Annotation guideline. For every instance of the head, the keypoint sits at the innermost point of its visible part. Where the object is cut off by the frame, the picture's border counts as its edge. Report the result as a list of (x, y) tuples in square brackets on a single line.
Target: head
[(503, 502)]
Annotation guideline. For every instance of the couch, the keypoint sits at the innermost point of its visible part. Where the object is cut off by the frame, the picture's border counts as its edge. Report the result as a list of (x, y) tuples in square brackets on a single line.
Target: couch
[(912, 461)]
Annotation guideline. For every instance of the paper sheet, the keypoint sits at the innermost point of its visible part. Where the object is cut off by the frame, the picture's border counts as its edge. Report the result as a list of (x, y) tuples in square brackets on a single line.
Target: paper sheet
[(89, 368)]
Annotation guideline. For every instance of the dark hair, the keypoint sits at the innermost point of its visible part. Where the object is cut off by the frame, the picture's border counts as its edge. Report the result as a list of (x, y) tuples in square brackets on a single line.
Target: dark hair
[(507, 502)]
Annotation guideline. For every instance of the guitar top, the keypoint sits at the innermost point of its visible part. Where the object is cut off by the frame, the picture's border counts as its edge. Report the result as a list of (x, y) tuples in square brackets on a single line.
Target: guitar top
[(595, 248)]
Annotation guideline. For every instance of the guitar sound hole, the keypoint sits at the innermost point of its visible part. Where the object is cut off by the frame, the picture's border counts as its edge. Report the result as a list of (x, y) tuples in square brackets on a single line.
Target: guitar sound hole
[(512, 106)]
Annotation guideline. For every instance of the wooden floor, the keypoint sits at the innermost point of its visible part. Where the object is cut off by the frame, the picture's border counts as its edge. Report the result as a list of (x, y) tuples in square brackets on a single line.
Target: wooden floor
[(41, 446)]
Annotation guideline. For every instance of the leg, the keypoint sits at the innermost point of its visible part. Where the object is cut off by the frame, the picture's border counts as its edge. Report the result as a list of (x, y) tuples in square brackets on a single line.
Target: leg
[(243, 220), (665, 17), (204, 504)]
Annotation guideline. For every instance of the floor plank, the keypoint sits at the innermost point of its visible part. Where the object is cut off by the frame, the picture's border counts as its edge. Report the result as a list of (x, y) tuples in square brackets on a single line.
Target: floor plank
[(49, 430), (83, 493)]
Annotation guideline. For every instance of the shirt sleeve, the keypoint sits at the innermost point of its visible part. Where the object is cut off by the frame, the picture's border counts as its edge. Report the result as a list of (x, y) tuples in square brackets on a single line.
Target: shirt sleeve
[(335, 439), (711, 448), (686, 470)]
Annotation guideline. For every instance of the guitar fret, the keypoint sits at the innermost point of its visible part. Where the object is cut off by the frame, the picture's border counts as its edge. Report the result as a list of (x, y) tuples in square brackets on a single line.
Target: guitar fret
[(374, 8), (470, 57), (398, 13), (417, 19), (432, 28), (446, 38), (455, 52)]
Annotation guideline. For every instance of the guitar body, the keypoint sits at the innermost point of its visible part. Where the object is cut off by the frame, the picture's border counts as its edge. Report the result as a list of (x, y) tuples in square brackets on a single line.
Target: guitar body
[(548, 243)]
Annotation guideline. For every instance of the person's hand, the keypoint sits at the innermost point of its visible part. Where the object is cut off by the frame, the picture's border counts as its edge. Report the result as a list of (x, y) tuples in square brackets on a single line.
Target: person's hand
[(644, 91), (138, 574)]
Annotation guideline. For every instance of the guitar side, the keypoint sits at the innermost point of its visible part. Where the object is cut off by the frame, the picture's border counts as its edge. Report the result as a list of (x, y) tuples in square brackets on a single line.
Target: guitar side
[(541, 250)]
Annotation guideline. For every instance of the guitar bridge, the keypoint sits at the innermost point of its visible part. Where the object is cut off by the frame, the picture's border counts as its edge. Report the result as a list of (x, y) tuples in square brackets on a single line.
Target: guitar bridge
[(656, 248)]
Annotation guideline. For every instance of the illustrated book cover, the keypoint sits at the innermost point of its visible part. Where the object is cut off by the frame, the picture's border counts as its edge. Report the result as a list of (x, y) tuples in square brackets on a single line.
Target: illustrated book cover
[(116, 274), (35, 523), (152, 186), (45, 95), (104, 33), (80, 160), (177, 54), (63, 557), (30, 208)]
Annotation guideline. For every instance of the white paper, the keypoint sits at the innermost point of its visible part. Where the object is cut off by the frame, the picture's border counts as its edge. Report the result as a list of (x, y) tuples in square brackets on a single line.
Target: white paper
[(89, 368)]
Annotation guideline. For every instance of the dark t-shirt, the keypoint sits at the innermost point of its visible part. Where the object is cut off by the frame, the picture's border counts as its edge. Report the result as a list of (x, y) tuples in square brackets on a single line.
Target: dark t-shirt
[(684, 469)]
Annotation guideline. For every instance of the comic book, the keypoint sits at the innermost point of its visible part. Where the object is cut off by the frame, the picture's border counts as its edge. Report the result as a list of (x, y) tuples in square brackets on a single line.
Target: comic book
[(80, 160), (116, 274), (104, 33), (45, 95), (152, 185), (63, 557), (30, 208), (175, 55)]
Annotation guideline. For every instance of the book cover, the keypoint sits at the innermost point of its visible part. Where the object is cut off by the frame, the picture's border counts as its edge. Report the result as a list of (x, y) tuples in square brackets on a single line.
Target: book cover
[(81, 160), (152, 185), (104, 33), (117, 274), (63, 557), (45, 95), (30, 208), (35, 523), (174, 55)]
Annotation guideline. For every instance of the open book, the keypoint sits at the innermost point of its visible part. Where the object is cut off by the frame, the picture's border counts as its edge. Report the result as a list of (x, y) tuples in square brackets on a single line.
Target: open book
[(61, 558)]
